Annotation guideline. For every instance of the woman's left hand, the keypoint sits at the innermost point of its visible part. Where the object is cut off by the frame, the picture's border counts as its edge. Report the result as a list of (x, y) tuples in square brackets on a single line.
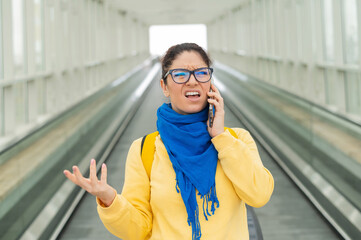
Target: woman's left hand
[(216, 100)]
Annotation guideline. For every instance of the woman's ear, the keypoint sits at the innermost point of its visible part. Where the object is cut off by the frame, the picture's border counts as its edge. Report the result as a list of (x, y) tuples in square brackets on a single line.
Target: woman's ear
[(164, 88)]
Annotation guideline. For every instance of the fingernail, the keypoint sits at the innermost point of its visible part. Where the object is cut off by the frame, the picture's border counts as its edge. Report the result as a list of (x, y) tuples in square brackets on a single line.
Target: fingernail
[(74, 168), (103, 165)]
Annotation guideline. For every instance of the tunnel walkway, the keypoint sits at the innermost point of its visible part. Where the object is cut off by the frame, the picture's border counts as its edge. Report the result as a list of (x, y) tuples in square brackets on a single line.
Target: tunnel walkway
[(288, 215)]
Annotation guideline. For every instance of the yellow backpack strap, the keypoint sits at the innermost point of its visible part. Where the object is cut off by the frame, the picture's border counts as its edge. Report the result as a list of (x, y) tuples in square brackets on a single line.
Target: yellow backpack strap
[(147, 151), (231, 131)]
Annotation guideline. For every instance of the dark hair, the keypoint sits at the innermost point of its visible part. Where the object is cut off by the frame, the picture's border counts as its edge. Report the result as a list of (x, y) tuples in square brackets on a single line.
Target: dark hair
[(176, 50)]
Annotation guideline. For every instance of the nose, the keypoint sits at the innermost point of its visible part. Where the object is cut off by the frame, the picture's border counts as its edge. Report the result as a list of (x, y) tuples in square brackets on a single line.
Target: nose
[(192, 80)]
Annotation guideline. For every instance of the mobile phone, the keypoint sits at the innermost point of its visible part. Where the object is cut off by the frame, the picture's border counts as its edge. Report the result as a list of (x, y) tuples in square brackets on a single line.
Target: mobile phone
[(210, 112)]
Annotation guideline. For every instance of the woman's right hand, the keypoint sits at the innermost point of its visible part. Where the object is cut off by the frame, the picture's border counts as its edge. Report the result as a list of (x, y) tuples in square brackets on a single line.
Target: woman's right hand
[(98, 188)]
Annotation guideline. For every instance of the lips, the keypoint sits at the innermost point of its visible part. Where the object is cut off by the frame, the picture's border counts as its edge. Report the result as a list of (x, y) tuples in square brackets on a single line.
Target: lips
[(192, 94)]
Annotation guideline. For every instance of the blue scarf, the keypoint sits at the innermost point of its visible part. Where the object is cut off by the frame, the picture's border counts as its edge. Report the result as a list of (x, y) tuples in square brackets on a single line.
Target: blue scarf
[(194, 160)]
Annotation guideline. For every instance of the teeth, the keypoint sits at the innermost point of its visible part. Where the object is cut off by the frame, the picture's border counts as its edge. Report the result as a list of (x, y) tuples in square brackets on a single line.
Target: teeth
[(192, 93)]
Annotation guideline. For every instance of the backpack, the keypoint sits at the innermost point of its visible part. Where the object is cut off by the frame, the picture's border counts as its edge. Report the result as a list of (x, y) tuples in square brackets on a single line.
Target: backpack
[(147, 149)]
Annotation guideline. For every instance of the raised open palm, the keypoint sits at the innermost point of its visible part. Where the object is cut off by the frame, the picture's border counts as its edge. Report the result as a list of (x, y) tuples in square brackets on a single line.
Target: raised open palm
[(93, 185)]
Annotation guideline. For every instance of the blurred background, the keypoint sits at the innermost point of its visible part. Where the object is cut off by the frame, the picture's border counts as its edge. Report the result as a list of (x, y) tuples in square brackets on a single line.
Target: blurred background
[(74, 73)]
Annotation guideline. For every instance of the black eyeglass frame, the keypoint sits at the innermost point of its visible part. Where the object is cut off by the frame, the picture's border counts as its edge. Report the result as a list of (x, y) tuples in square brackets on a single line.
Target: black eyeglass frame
[(191, 72)]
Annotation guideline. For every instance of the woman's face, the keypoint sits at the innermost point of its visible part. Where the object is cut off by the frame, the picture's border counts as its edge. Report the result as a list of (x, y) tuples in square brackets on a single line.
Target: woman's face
[(181, 103)]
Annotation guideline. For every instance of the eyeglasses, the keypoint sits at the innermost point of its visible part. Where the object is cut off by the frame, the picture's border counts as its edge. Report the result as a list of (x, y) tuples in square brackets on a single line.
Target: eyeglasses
[(183, 75)]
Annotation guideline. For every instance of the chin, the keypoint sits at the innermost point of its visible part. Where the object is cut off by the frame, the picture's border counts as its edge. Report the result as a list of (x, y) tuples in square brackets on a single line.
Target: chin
[(194, 109), (189, 108)]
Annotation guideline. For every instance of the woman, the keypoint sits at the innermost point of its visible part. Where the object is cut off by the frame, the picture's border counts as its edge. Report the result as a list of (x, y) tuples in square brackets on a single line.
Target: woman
[(201, 176)]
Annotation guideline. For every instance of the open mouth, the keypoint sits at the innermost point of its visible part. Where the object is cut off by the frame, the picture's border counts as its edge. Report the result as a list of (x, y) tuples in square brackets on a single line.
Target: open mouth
[(192, 95)]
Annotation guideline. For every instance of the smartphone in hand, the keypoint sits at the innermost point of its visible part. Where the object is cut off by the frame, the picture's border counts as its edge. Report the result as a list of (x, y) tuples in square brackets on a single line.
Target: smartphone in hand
[(210, 113)]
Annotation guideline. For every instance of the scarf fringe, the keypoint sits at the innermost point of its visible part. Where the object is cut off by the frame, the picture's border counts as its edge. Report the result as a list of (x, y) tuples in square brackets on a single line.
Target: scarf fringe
[(210, 196), (193, 220), (196, 226)]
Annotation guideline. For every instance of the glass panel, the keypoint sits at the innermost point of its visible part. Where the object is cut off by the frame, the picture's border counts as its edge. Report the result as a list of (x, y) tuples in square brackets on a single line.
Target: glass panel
[(19, 104), (330, 87), (2, 115), (312, 16), (1, 47), (300, 28), (350, 34), (328, 34), (39, 46), (120, 34), (92, 19), (353, 90), (18, 36), (287, 29), (66, 41)]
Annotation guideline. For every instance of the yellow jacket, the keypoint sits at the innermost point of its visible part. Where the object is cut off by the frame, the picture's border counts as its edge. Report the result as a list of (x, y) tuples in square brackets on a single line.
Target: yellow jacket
[(154, 210)]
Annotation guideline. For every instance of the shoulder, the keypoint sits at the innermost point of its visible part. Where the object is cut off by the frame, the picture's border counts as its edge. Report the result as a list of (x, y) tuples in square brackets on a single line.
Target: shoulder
[(134, 162), (137, 142), (135, 147)]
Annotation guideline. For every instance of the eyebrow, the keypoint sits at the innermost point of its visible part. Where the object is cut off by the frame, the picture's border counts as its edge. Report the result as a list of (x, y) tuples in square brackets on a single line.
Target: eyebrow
[(188, 67)]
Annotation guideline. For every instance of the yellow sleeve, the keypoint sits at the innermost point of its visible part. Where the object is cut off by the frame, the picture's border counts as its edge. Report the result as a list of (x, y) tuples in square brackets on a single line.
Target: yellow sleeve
[(242, 164), (130, 216)]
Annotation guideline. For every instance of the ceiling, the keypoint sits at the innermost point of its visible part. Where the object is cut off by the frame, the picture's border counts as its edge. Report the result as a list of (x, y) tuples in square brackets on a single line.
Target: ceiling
[(159, 12)]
